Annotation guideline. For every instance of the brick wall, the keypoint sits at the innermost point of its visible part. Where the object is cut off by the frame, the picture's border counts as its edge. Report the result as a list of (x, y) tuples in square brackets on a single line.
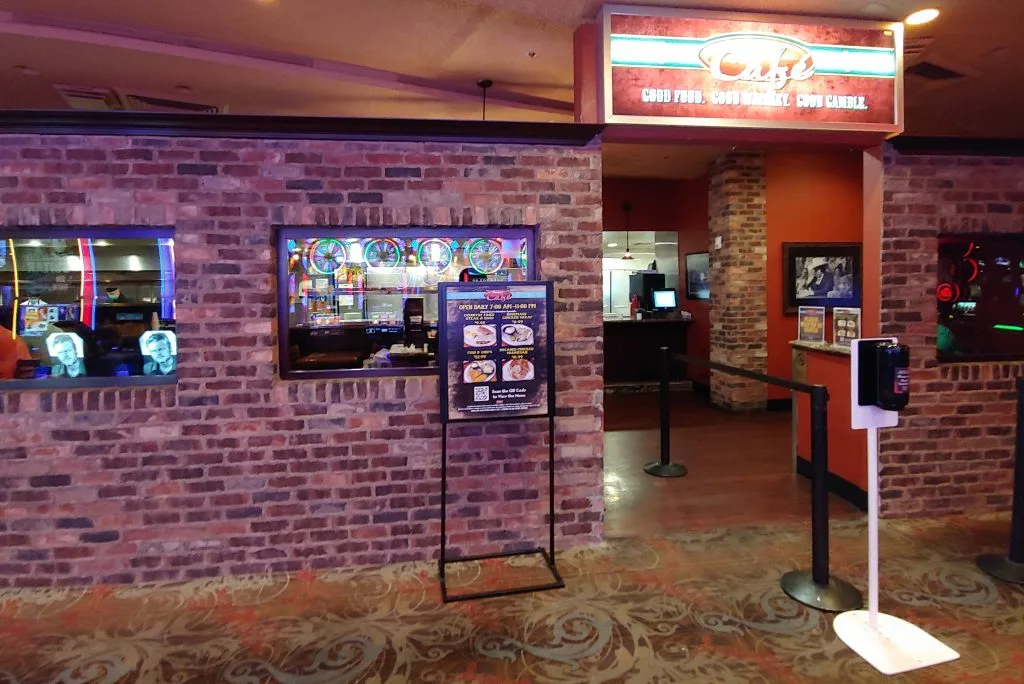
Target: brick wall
[(739, 320), (953, 451), (236, 471)]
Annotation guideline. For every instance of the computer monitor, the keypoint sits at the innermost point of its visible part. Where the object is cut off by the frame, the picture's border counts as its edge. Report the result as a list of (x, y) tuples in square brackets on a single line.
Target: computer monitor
[(664, 300)]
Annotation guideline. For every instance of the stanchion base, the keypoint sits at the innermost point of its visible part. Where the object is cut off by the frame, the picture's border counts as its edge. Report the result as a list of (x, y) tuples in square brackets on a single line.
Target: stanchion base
[(835, 597), (1002, 568), (894, 646), (665, 469)]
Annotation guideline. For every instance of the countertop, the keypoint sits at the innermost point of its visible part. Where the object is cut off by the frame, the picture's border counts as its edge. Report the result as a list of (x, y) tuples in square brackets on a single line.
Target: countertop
[(646, 320), (823, 347)]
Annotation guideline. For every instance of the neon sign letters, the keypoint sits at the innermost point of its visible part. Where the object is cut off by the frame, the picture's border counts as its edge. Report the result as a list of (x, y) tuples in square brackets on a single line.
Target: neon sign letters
[(757, 58)]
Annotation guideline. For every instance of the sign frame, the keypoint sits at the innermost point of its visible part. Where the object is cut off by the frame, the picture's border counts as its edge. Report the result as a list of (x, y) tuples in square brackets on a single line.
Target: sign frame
[(810, 313), (605, 108), (443, 357), (547, 554)]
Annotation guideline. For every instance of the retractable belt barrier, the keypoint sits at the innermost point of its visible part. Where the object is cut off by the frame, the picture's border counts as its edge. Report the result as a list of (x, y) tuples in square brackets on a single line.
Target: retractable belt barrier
[(1010, 568), (814, 588)]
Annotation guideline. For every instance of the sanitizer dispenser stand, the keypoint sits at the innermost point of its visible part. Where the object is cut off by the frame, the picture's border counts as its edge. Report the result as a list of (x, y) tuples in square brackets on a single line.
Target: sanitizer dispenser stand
[(880, 387)]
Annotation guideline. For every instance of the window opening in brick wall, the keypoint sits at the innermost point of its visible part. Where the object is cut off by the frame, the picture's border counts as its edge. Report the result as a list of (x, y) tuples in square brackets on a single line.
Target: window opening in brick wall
[(980, 298), (87, 308), (365, 301)]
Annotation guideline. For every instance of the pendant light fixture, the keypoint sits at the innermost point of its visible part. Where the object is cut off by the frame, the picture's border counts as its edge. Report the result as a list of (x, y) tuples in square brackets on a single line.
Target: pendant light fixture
[(484, 85), (627, 209)]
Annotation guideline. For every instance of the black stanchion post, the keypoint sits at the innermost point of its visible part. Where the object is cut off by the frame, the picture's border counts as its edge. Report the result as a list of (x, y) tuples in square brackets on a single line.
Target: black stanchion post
[(816, 588), (664, 467), (819, 487), (1011, 568)]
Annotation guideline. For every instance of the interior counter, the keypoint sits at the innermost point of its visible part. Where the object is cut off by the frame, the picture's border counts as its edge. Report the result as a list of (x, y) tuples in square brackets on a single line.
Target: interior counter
[(829, 365), (632, 349)]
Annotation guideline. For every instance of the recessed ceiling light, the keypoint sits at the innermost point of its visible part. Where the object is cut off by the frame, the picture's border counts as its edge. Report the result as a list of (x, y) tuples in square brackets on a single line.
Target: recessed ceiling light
[(26, 70), (101, 243), (921, 17), (613, 244), (33, 243)]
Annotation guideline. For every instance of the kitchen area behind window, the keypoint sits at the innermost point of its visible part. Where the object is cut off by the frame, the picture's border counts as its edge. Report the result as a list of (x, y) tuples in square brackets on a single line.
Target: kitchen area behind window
[(358, 300), (640, 301), (651, 252)]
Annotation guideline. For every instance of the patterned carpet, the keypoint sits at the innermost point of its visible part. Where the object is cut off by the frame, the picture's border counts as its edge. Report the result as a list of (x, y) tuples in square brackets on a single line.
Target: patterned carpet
[(689, 607)]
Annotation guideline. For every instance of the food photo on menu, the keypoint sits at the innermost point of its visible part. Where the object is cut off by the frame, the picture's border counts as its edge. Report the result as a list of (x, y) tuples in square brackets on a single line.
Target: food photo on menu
[(517, 370), (516, 335), (479, 371), (476, 336)]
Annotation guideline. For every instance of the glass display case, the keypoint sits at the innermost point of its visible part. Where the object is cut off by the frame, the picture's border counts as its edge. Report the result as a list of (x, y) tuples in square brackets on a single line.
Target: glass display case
[(360, 301), (90, 307)]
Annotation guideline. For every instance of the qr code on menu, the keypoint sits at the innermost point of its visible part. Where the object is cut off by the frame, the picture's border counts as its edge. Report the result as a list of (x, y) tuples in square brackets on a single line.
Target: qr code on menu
[(481, 393)]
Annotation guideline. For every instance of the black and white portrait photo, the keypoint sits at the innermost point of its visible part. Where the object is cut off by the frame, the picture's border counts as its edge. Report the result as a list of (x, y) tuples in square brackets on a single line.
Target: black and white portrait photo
[(821, 274), (829, 277)]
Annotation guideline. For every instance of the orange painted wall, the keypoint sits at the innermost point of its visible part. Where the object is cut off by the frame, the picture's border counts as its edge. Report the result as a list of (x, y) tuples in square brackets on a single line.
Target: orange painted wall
[(812, 197), (669, 205), (655, 206), (847, 448), (693, 237)]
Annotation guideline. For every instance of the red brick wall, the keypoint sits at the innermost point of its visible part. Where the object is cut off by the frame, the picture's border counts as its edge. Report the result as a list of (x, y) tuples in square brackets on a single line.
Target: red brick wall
[(953, 450), (739, 319), (236, 471)]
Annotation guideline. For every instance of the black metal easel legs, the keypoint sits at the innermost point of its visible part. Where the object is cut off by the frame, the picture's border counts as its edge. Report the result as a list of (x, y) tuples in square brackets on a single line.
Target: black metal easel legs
[(557, 583), (1010, 568), (815, 588), (547, 554), (664, 468)]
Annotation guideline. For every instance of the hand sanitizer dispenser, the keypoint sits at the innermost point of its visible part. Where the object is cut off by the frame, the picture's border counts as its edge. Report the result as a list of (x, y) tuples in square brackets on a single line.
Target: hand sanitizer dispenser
[(884, 374)]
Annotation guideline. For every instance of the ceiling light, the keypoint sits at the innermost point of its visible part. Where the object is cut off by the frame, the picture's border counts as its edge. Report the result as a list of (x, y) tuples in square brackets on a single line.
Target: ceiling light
[(921, 17), (33, 243), (26, 70), (134, 263), (101, 243), (613, 244)]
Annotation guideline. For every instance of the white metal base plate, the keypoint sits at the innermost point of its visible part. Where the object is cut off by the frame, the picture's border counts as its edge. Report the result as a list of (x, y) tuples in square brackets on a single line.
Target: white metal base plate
[(896, 647)]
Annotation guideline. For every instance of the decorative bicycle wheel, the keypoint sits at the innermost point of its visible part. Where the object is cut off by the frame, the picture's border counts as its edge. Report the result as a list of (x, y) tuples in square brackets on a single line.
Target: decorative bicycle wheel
[(485, 255), (382, 252), (436, 255), (327, 256)]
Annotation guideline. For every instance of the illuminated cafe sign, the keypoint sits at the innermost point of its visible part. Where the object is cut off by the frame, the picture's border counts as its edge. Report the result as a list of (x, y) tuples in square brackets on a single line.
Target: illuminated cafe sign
[(694, 68)]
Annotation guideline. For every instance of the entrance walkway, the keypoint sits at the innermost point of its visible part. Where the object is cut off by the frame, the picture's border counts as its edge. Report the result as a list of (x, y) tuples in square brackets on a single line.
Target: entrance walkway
[(740, 469), (688, 607)]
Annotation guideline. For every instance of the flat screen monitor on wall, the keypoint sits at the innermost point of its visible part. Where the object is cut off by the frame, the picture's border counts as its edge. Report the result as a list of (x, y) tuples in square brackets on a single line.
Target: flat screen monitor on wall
[(980, 298)]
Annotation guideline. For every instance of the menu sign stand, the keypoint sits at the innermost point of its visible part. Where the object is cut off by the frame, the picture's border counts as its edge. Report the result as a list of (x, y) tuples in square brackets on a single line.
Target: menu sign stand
[(497, 362)]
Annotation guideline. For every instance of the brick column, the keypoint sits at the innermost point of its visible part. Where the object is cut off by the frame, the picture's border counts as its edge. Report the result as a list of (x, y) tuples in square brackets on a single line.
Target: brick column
[(739, 319)]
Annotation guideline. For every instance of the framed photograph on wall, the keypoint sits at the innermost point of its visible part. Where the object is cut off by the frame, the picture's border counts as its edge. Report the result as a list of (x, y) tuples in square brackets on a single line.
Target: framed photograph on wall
[(698, 276), (824, 274)]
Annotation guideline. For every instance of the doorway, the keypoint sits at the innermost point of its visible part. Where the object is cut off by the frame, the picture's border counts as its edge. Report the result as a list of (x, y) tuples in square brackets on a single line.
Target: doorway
[(741, 464)]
